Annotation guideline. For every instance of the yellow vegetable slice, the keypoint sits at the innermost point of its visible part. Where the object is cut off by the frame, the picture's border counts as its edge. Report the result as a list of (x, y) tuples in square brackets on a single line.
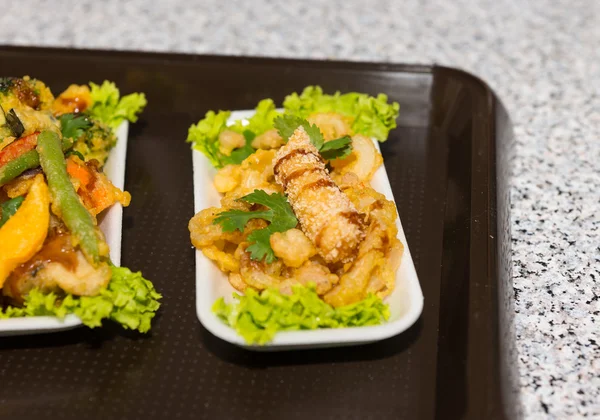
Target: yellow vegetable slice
[(25, 232)]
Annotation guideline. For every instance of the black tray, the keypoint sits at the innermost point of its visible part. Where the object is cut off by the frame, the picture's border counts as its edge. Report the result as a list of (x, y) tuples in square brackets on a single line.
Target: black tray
[(448, 165)]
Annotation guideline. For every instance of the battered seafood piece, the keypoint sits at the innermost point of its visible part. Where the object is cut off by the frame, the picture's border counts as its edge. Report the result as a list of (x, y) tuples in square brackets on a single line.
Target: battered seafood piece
[(326, 214), (58, 266)]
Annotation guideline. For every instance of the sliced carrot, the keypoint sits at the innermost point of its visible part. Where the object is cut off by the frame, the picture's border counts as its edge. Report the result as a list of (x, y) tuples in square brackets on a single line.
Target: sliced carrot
[(17, 148), (102, 197), (93, 187), (79, 171)]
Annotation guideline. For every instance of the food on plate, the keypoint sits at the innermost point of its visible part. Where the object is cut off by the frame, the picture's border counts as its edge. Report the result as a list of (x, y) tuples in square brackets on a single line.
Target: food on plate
[(326, 214), (54, 259), (299, 230)]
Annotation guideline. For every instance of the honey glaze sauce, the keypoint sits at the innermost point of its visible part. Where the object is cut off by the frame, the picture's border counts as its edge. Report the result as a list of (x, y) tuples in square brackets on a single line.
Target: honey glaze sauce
[(74, 103), (57, 249)]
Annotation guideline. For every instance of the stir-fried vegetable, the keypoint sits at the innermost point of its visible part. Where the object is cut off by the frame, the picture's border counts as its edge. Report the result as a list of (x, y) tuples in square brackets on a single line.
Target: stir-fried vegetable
[(17, 148), (24, 162), (75, 216), (39, 130)]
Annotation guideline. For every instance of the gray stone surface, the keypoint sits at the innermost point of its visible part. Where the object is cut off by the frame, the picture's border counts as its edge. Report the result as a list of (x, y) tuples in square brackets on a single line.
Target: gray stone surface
[(542, 58)]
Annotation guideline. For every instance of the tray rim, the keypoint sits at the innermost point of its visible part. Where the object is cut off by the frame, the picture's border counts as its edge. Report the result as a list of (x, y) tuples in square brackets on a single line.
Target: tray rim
[(151, 55), (357, 65)]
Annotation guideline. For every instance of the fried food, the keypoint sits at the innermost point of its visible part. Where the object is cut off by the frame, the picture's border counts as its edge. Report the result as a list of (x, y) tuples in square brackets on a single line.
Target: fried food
[(96, 191), (268, 140), (57, 266), (76, 98), (331, 124), (345, 242), (362, 162), (229, 140), (20, 93), (293, 247), (326, 215)]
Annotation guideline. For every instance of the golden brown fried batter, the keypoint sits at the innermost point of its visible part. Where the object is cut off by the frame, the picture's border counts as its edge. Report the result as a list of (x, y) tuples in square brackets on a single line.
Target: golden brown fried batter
[(326, 215), (348, 244)]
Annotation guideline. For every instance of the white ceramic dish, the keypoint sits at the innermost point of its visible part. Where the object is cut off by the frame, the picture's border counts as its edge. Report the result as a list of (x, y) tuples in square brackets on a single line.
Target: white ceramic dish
[(111, 226), (406, 302)]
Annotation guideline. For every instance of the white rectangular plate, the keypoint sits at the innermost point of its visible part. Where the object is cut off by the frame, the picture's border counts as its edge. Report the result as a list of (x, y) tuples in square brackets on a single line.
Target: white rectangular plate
[(111, 226), (406, 301)]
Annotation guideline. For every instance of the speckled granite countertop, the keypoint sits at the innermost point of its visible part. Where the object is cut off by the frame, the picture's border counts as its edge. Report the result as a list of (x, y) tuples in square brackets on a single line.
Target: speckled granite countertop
[(542, 58)]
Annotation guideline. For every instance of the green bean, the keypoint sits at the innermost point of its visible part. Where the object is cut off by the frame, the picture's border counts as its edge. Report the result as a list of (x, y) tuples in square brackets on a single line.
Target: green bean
[(75, 216), (28, 160), (17, 166), (9, 208)]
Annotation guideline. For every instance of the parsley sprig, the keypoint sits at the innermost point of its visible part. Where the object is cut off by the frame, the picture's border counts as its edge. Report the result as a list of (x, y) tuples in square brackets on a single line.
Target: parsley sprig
[(333, 149), (279, 213), (73, 126)]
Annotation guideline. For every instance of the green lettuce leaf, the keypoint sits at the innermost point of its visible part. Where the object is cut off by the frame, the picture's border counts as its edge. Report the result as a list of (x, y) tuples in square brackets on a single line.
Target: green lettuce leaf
[(109, 108), (261, 121), (257, 317), (372, 116), (204, 136), (129, 300)]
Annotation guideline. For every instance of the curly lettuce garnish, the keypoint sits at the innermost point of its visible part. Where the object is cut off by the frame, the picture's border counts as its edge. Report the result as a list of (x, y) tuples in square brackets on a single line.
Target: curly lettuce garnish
[(261, 121), (109, 108), (204, 136), (372, 116), (257, 317), (130, 300)]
